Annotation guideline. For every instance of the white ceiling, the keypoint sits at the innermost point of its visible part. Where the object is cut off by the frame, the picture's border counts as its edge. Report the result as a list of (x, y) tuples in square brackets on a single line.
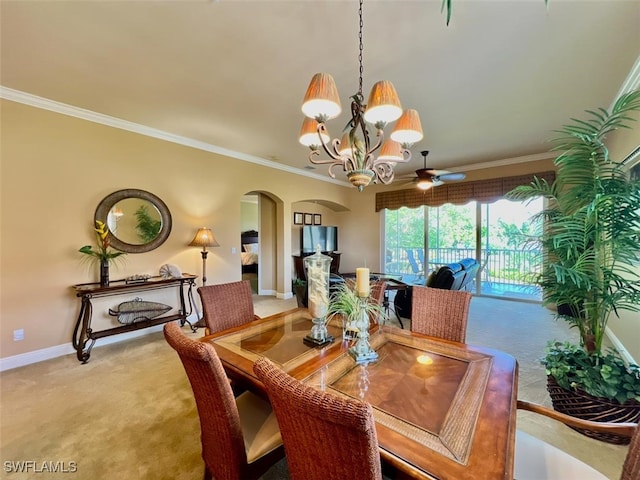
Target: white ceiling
[(490, 86)]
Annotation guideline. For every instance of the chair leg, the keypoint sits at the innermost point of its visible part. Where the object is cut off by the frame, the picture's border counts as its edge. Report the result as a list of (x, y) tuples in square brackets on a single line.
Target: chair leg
[(395, 310), (207, 474)]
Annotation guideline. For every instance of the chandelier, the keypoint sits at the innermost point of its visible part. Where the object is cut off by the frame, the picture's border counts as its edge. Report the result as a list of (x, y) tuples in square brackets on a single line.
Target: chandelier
[(354, 152)]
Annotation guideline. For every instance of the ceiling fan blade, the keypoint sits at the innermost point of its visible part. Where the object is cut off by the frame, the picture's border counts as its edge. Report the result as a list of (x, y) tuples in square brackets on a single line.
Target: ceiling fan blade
[(451, 177)]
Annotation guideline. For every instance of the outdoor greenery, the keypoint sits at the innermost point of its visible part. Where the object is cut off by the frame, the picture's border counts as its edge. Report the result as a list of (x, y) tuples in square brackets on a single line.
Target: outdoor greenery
[(451, 236), (590, 242)]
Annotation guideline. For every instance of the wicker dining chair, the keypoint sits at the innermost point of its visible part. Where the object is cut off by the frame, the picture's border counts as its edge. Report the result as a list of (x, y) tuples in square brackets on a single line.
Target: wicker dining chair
[(240, 436), (538, 460), (227, 305), (440, 313), (378, 289), (325, 437)]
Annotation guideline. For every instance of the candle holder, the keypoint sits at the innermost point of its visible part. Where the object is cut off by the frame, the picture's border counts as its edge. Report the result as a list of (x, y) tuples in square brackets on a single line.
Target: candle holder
[(317, 268), (362, 351)]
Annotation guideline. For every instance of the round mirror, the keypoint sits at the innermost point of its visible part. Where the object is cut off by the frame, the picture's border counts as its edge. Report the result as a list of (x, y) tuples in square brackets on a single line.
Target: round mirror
[(138, 221)]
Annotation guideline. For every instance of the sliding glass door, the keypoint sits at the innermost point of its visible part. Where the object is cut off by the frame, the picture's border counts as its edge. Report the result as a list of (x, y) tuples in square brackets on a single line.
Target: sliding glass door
[(419, 240)]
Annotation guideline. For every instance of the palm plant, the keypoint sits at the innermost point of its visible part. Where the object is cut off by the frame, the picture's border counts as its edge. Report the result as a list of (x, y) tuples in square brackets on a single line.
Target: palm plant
[(590, 234)]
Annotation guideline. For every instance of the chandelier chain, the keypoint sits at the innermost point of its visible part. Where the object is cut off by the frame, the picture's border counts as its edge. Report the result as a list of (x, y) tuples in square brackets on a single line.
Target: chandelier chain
[(360, 51)]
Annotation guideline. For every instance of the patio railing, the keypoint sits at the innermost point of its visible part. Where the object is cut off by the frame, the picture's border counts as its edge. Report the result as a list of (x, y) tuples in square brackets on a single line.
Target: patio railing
[(503, 270)]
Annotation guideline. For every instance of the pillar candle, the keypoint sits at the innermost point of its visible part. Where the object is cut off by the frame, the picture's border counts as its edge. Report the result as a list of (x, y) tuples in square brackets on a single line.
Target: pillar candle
[(362, 282)]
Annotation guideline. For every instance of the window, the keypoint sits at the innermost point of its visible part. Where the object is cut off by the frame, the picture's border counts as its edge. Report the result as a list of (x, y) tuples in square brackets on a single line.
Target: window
[(493, 233)]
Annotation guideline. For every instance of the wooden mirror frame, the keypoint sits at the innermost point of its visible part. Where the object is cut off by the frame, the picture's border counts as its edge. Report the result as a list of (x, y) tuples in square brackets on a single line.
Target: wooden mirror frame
[(109, 201)]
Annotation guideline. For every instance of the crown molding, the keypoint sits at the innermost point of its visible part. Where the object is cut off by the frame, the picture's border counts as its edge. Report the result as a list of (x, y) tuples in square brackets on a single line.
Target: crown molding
[(504, 162), (631, 83), (83, 114)]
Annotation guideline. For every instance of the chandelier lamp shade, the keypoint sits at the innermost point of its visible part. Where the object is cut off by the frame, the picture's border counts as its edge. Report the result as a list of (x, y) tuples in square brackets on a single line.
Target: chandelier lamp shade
[(355, 152)]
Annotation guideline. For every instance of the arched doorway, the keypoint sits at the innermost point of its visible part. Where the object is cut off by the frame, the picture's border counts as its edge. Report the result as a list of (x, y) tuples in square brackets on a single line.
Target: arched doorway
[(260, 256)]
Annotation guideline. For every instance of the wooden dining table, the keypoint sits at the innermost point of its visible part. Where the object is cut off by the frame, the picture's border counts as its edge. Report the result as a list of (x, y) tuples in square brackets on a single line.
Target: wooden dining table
[(443, 410)]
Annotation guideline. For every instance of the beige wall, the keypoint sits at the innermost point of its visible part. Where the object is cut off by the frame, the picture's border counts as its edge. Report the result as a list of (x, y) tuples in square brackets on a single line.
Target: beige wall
[(626, 328), (249, 215), (55, 171)]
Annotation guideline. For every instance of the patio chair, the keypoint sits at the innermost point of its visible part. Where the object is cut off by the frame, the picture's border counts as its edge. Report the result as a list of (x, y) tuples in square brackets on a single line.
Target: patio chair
[(537, 460), (484, 269), (326, 437), (240, 436), (417, 271), (440, 313)]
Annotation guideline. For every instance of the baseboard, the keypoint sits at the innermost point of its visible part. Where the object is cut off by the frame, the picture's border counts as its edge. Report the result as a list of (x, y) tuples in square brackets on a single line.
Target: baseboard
[(284, 296), (624, 353), (41, 355)]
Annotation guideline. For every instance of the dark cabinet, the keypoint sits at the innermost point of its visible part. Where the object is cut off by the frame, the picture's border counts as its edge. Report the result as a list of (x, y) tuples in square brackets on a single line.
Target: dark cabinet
[(298, 263)]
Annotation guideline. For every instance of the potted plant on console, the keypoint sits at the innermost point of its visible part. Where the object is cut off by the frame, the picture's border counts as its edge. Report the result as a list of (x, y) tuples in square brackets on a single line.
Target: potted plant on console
[(102, 254), (590, 243)]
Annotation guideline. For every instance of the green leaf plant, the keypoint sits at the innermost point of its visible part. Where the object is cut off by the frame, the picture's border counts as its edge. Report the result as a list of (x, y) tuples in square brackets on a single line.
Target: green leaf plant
[(346, 303), (590, 236)]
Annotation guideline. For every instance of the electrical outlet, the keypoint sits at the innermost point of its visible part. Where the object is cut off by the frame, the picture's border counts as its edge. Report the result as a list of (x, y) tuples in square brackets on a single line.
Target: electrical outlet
[(18, 335), (233, 250)]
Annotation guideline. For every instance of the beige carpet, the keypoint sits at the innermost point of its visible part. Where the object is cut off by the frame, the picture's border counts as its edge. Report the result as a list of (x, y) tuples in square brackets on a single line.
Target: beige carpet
[(129, 413)]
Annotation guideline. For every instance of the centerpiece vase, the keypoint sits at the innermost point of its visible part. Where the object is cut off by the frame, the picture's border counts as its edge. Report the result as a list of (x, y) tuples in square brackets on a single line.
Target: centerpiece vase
[(317, 268)]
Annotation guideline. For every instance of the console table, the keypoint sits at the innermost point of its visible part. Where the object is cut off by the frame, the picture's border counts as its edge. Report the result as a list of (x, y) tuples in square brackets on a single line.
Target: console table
[(84, 337)]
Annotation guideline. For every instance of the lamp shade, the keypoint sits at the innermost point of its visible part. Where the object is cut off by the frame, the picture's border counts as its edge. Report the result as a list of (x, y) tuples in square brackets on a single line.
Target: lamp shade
[(204, 238), (408, 129), (309, 133), (345, 145), (321, 100), (383, 105), (391, 151)]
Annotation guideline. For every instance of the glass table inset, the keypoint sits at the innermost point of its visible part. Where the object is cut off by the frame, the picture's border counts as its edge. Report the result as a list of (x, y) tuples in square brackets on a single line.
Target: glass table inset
[(428, 391)]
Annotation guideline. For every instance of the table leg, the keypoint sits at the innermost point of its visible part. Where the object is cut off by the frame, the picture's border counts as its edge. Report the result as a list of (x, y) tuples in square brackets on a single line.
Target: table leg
[(82, 331)]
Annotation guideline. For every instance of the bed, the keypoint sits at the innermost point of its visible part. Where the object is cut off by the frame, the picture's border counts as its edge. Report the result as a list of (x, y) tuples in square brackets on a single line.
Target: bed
[(250, 251)]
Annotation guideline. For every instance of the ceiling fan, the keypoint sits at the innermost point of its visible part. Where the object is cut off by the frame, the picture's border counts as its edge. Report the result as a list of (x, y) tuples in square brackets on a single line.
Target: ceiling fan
[(426, 178)]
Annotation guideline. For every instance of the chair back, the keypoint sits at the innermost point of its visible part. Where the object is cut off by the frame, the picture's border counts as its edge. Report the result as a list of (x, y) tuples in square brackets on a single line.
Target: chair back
[(631, 467), (223, 449), (325, 437), (440, 313), (377, 294), (227, 305)]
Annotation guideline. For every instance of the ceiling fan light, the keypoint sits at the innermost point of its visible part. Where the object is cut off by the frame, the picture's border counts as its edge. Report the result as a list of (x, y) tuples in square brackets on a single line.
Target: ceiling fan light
[(391, 151), (408, 129), (321, 100), (309, 134), (424, 184), (384, 105)]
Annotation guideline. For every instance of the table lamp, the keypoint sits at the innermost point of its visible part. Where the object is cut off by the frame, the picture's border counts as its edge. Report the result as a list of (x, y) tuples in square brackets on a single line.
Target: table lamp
[(204, 238)]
